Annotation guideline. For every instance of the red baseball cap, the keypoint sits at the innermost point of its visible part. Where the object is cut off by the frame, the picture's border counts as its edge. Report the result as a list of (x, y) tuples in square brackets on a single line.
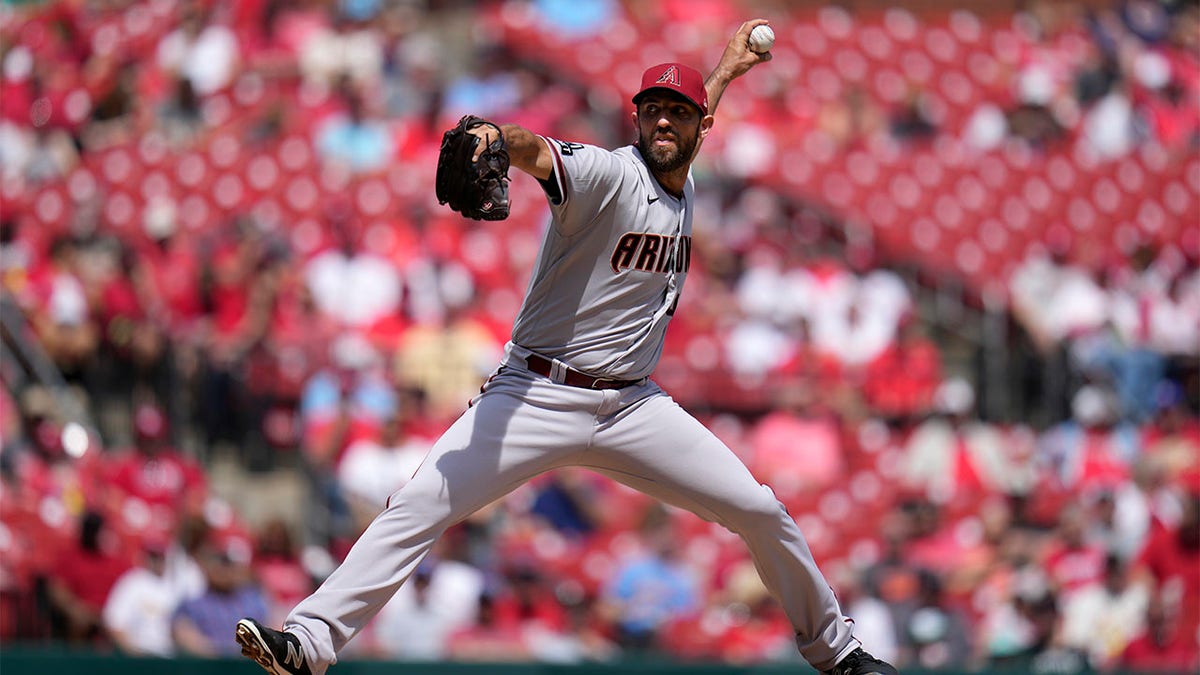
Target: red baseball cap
[(150, 422), (678, 78)]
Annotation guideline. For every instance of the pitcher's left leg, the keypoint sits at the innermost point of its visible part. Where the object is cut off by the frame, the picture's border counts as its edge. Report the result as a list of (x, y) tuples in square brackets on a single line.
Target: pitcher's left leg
[(655, 446)]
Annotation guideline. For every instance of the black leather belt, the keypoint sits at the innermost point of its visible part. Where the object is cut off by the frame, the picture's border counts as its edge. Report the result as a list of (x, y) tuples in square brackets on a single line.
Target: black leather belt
[(574, 378)]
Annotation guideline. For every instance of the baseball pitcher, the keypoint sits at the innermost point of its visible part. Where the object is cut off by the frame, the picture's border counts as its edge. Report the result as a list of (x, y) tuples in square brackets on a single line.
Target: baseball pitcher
[(574, 386)]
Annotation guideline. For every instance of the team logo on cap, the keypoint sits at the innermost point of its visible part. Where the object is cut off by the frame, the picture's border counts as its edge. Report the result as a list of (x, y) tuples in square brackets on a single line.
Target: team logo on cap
[(670, 76)]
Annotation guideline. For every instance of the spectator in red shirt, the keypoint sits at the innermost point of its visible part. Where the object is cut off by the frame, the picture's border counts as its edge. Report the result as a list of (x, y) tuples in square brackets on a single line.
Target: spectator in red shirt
[(901, 380), (759, 631), (1072, 562), (1166, 101), (1163, 646), (489, 639), (529, 601), (800, 431), (79, 588), (170, 270), (1171, 558), (1172, 438), (154, 476), (279, 570), (134, 343)]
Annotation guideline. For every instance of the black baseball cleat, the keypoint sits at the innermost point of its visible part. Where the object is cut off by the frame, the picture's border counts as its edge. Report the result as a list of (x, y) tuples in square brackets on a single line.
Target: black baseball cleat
[(279, 653), (859, 662)]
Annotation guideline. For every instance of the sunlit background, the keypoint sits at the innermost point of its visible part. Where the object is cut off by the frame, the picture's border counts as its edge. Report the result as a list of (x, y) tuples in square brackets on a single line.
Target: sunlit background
[(946, 303)]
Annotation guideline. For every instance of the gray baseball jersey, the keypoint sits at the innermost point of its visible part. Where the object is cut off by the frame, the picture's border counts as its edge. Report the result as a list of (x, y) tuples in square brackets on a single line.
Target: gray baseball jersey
[(611, 266), (603, 289)]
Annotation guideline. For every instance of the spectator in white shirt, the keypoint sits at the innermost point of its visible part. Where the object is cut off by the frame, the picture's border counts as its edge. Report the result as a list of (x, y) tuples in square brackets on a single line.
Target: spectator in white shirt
[(353, 285), (373, 468), (203, 51), (137, 613), (1102, 619)]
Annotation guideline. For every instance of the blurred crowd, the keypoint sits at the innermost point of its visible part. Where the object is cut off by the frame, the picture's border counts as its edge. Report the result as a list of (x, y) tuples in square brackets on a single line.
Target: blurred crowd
[(217, 229)]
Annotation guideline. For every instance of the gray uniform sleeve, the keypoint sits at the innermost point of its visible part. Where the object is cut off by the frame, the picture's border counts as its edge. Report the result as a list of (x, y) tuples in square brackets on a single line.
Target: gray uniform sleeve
[(585, 179)]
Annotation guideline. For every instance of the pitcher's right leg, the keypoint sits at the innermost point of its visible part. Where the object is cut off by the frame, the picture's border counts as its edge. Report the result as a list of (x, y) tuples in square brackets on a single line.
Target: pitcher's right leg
[(502, 441)]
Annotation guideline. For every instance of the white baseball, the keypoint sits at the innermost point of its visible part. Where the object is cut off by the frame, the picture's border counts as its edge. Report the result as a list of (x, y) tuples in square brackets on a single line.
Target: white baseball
[(762, 38)]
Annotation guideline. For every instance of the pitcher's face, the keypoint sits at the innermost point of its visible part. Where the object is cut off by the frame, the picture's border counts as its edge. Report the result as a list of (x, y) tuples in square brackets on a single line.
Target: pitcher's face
[(668, 131)]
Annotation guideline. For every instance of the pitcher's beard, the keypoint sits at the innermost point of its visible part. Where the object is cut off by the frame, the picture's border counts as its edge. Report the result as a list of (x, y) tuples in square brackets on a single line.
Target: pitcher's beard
[(663, 159)]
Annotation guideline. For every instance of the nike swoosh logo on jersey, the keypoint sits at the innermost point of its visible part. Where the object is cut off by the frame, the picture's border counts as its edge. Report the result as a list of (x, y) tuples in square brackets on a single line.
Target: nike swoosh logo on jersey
[(651, 200)]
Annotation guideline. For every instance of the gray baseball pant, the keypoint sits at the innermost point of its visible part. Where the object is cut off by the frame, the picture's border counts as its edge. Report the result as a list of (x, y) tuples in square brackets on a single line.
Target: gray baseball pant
[(523, 425)]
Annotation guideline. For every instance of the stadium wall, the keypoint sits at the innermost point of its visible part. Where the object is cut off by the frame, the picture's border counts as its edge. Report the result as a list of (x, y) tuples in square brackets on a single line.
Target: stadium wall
[(60, 662)]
